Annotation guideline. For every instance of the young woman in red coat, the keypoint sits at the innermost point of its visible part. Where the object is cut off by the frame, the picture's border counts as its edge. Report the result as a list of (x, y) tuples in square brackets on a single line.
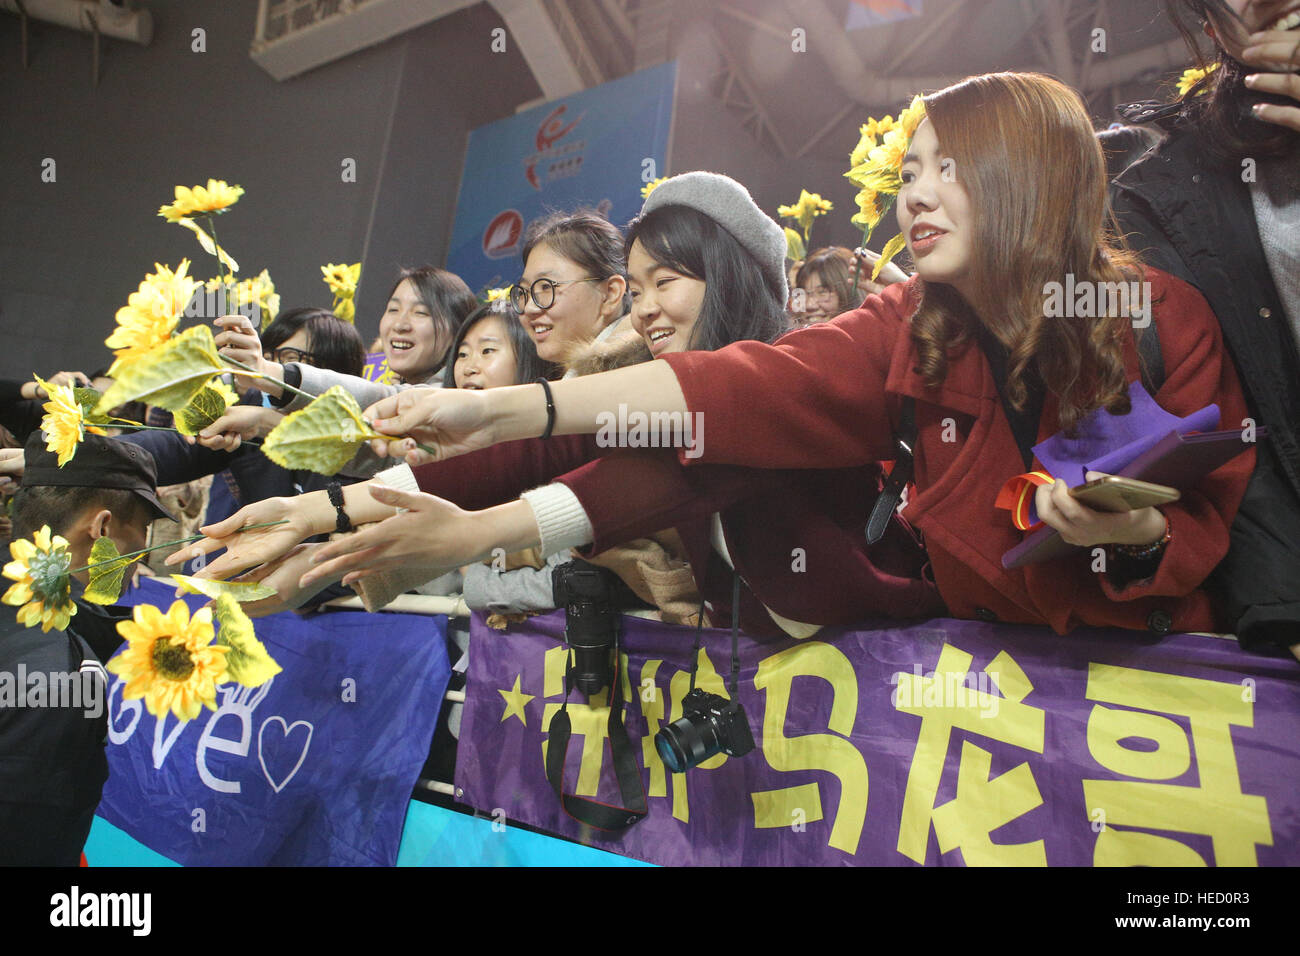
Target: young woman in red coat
[(1004, 192)]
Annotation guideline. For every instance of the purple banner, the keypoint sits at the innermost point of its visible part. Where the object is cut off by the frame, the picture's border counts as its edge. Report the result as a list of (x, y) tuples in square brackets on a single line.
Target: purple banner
[(943, 743)]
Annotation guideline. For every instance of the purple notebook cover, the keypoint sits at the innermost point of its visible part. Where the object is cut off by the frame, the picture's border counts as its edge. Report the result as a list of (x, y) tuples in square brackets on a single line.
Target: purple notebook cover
[(1177, 460)]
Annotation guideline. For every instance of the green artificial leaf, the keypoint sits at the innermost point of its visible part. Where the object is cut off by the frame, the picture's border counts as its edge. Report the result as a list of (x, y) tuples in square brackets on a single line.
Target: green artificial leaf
[(208, 405), (88, 399), (241, 591), (322, 437), (107, 569), (170, 376), (892, 248), (248, 661), (794, 246), (208, 245)]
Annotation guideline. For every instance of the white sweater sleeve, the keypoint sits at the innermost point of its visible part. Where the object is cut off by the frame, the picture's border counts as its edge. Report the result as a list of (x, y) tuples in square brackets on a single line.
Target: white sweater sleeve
[(560, 517)]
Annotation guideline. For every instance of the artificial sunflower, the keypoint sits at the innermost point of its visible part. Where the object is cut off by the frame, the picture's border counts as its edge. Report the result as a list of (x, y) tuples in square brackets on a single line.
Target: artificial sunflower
[(44, 590), (495, 295), (64, 424), (171, 660), (342, 281), (217, 197), (651, 186), (808, 208), (151, 314), (1192, 77)]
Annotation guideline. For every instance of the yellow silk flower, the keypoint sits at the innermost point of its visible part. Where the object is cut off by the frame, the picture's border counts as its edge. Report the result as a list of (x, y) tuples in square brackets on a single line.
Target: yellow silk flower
[(495, 295), (342, 279), (64, 423), (651, 186), (216, 197), (40, 567), (1193, 76), (151, 314), (170, 660), (808, 208)]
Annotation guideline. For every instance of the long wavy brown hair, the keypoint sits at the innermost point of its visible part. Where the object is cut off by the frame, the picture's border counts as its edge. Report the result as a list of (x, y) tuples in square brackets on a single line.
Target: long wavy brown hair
[(1027, 157)]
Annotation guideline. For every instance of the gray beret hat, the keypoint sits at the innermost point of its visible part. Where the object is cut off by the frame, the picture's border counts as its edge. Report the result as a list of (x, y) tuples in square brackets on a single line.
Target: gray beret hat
[(729, 204)]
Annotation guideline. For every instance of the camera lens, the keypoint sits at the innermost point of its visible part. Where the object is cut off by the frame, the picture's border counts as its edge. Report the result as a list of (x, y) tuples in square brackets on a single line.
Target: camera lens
[(688, 742)]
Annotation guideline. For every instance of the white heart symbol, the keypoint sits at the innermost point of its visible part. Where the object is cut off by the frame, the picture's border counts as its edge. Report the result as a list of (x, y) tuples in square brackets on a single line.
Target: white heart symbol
[(261, 753)]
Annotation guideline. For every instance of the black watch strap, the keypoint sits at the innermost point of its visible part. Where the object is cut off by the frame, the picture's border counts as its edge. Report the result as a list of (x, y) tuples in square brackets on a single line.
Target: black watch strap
[(343, 523)]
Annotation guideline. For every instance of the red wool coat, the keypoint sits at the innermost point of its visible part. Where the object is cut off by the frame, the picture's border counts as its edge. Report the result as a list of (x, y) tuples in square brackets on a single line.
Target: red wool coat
[(829, 396), (834, 578)]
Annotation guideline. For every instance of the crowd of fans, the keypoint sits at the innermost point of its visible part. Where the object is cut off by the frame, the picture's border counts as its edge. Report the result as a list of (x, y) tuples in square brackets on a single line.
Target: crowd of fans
[(823, 391)]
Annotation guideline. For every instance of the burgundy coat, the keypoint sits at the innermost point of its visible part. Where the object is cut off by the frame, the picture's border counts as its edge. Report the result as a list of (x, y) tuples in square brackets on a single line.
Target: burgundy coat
[(829, 396), (796, 536)]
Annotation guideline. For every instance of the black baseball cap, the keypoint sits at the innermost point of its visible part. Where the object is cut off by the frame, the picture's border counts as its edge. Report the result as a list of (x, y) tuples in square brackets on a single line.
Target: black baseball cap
[(99, 463)]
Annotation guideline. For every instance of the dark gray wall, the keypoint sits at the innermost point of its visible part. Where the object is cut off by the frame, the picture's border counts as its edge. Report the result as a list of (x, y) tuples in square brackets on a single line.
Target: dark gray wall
[(71, 251)]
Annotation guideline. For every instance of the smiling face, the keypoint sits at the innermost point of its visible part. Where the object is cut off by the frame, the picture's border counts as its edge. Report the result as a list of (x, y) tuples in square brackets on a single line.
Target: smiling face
[(935, 214), (579, 311), (665, 303), (410, 338), (820, 301), (1256, 16), (485, 358)]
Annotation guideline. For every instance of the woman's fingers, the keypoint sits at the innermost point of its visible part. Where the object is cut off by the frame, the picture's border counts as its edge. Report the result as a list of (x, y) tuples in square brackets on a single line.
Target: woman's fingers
[(367, 558)]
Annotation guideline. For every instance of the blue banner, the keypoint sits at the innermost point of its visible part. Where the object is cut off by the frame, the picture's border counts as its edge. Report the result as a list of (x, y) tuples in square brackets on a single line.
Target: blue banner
[(314, 767), (597, 148)]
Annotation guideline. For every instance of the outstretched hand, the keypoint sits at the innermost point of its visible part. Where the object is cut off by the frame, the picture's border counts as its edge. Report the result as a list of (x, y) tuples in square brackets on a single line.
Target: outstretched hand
[(247, 549), (452, 421), (431, 533)]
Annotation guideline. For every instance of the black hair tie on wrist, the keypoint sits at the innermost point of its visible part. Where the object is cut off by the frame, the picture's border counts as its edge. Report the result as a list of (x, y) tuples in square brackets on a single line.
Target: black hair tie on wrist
[(342, 524), (550, 407)]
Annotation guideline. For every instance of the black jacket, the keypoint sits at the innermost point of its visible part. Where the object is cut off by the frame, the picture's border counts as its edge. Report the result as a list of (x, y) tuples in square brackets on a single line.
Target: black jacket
[(52, 760), (1190, 215)]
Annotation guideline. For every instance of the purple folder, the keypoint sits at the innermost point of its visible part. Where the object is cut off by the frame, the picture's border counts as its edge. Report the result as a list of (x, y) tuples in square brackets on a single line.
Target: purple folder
[(1177, 460)]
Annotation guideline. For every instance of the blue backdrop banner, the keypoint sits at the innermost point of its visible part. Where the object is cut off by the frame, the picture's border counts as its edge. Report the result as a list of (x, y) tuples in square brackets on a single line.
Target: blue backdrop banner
[(596, 148), (314, 767)]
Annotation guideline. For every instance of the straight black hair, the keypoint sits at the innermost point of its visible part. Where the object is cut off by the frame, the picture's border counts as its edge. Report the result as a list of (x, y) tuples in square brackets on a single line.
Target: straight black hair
[(1230, 131), (529, 366), (738, 302), (335, 345)]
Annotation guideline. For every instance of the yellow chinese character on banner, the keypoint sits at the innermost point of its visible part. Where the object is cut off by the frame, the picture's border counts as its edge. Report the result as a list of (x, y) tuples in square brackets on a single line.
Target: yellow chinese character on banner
[(1215, 807), (835, 755), (944, 703)]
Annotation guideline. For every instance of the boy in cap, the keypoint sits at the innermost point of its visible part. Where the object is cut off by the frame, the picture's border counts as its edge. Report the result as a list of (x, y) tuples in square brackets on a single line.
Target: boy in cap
[(52, 760)]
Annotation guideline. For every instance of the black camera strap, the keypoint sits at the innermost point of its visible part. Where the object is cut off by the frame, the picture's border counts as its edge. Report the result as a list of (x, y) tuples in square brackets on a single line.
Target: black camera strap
[(602, 816), (733, 686), (892, 494)]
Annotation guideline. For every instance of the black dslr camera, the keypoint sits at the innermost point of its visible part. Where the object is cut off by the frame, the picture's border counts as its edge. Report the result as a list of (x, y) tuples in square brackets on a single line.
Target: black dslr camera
[(709, 724), (591, 605)]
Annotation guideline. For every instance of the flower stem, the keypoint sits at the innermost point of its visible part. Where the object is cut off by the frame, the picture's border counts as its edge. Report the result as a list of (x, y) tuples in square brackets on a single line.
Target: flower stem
[(270, 378), (136, 426), (170, 544), (227, 277)]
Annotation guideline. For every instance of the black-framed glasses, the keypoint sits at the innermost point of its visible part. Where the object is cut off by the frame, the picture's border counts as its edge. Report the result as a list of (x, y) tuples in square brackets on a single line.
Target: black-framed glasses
[(285, 356), (542, 292)]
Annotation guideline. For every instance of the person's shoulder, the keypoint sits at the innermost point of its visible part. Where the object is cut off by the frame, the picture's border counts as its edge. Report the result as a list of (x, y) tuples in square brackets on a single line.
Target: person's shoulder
[(1171, 294)]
